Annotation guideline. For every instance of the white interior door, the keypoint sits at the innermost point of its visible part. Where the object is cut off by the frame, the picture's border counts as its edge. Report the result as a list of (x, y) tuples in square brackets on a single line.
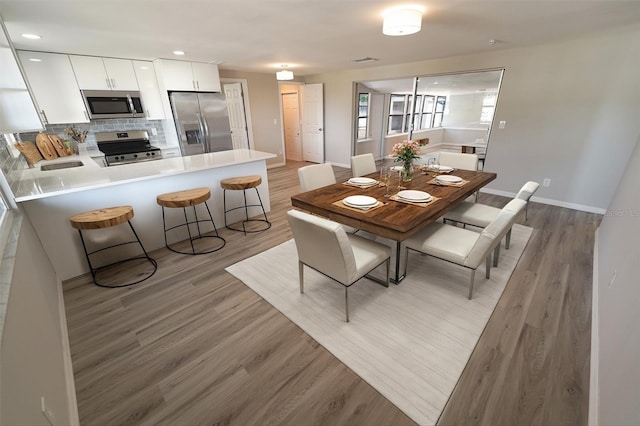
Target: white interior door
[(237, 118), (312, 123), (291, 122)]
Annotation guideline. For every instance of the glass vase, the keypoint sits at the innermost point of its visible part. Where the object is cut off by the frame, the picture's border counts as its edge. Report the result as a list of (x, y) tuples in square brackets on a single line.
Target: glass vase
[(407, 171)]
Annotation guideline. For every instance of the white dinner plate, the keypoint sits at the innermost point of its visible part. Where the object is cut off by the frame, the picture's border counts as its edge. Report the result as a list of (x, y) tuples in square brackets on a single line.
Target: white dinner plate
[(448, 179), (360, 201), (415, 196), (445, 169), (362, 181)]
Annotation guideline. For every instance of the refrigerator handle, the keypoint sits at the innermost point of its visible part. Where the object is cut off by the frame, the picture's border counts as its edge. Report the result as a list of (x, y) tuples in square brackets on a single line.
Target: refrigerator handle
[(203, 132), (206, 131)]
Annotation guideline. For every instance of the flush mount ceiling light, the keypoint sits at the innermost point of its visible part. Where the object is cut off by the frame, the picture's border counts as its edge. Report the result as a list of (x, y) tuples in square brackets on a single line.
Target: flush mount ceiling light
[(178, 52), (284, 74), (402, 20)]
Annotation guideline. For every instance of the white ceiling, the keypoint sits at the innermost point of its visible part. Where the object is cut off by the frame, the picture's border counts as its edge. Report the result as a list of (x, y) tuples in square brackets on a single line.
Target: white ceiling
[(312, 36)]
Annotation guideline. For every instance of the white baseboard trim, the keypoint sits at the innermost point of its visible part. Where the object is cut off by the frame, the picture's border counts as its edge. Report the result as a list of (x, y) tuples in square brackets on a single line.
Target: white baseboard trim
[(549, 201), (270, 166), (594, 383)]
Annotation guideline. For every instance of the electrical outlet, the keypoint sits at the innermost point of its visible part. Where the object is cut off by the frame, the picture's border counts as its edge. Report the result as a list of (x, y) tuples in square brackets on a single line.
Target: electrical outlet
[(546, 182), (502, 124), (154, 131), (47, 412)]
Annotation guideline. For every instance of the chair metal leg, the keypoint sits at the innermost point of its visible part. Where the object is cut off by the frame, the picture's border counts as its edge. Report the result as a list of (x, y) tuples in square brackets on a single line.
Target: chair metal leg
[(496, 255), (507, 240), (301, 276), (488, 267), (346, 303), (473, 275)]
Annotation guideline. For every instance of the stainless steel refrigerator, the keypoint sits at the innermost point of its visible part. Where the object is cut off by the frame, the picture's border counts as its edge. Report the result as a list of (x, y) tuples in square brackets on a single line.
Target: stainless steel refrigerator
[(202, 122)]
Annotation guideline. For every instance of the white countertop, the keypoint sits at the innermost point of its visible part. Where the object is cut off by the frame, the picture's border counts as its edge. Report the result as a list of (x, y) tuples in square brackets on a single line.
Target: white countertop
[(35, 184)]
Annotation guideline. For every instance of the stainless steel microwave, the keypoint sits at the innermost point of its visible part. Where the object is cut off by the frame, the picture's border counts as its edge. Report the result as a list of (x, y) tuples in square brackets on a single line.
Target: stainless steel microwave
[(113, 104)]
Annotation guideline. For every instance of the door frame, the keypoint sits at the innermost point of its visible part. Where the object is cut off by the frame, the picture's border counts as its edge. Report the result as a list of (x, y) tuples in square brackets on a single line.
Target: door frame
[(282, 91), (297, 95), (247, 108)]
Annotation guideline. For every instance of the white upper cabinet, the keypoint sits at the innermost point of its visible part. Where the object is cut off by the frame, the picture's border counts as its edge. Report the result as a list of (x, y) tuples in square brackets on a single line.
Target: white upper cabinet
[(54, 87), (206, 77), (17, 110), (189, 76), (94, 73), (149, 90)]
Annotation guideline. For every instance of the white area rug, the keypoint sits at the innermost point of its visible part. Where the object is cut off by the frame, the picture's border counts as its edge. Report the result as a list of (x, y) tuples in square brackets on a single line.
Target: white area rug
[(410, 341)]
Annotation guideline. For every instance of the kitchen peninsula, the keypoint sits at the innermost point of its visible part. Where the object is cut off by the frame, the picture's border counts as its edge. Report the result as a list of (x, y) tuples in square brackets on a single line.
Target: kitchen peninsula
[(50, 198)]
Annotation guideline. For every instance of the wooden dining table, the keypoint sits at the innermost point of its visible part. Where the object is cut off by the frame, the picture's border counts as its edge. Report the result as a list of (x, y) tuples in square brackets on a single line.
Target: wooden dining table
[(394, 220)]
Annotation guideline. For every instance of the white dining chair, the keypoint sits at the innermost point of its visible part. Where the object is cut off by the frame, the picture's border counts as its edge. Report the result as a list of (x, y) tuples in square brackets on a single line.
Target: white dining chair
[(458, 160), (316, 176), (363, 164), (481, 215), (462, 246), (324, 245)]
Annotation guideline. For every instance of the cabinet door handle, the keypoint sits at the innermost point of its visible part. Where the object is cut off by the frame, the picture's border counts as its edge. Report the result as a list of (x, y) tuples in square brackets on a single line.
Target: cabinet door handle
[(193, 83), (113, 83), (44, 117), (197, 84), (108, 83), (86, 114)]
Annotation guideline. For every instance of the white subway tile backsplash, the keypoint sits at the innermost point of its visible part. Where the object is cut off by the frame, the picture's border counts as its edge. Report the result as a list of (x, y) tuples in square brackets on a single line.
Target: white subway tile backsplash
[(112, 125)]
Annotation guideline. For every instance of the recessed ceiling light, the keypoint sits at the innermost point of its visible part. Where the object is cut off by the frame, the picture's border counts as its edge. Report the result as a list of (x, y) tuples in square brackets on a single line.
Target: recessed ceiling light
[(178, 52), (144, 68), (35, 60), (31, 36)]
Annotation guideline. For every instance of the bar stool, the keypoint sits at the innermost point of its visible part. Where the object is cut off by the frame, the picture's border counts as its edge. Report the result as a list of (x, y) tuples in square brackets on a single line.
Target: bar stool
[(242, 183), (105, 218), (184, 199)]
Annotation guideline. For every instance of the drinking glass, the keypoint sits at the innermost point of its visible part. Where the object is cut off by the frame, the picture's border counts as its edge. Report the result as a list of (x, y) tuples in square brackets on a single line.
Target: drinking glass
[(433, 165), (385, 178), (401, 178)]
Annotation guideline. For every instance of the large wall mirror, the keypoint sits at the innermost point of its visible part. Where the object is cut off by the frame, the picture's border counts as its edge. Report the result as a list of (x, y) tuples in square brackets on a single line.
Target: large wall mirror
[(453, 111)]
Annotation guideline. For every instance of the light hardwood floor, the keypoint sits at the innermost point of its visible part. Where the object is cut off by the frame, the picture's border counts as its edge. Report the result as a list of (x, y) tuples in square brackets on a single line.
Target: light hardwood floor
[(193, 345)]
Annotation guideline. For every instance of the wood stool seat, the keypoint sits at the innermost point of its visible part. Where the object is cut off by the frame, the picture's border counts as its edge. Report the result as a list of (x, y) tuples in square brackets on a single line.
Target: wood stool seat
[(242, 183), (187, 198), (102, 218), (190, 198), (106, 218)]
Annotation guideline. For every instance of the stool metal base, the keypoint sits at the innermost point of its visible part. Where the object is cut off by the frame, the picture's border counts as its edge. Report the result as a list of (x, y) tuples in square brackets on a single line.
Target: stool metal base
[(95, 270), (192, 238), (246, 213)]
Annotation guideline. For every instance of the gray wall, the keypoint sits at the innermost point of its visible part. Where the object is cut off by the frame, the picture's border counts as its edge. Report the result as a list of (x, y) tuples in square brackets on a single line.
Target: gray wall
[(264, 105), (616, 315), (571, 110), (35, 357)]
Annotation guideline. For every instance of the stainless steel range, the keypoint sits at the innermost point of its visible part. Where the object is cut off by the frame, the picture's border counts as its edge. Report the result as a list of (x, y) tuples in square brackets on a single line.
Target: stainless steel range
[(127, 147)]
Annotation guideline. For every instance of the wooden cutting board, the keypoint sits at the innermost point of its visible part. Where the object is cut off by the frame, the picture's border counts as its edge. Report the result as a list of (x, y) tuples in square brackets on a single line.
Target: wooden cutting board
[(58, 145), (46, 147), (29, 151)]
